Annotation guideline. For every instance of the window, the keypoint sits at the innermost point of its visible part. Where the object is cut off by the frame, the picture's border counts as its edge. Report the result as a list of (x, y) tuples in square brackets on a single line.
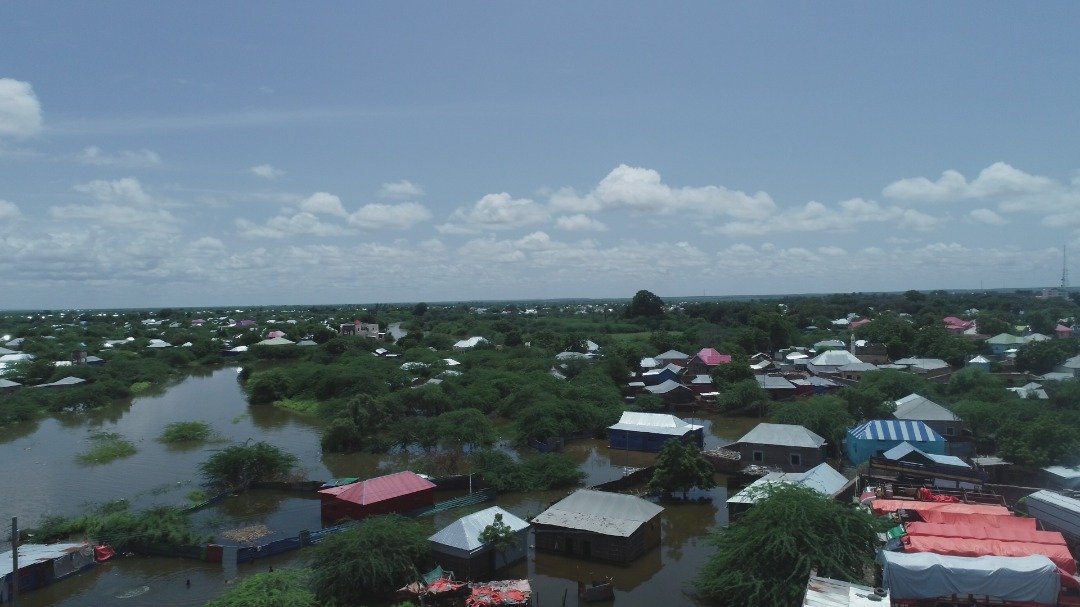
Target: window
[(950, 431), (796, 459), (759, 456)]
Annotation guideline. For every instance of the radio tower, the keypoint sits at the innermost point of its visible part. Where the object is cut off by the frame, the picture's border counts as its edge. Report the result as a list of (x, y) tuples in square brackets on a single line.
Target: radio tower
[(1064, 270)]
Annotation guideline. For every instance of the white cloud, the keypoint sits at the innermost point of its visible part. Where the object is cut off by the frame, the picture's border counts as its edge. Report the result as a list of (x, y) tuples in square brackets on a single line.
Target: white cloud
[(124, 158), (283, 226), (496, 212), (20, 111), (322, 203), (126, 191), (640, 190), (845, 216), (579, 223), (8, 210), (267, 171), (389, 216), (997, 181), (988, 217), (401, 189)]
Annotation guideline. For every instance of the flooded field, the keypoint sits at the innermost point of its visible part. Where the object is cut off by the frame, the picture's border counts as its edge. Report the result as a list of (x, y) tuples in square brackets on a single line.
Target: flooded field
[(43, 477)]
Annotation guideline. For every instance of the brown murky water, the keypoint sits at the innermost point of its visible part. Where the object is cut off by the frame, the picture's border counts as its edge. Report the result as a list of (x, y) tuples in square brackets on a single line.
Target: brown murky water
[(41, 477)]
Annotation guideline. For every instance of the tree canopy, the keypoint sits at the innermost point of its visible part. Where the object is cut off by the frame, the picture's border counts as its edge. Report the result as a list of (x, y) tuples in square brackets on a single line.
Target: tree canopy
[(764, 557), (681, 467), (645, 303), (237, 466), (280, 588)]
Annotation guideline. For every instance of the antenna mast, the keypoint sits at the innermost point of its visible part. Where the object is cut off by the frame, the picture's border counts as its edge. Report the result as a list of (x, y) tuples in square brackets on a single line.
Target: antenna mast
[(1064, 270)]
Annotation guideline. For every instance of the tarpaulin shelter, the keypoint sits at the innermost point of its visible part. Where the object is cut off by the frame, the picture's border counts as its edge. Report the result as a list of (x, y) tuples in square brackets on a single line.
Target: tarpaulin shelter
[(978, 532), (1006, 520), (886, 506), (399, 492), (913, 576), (952, 546)]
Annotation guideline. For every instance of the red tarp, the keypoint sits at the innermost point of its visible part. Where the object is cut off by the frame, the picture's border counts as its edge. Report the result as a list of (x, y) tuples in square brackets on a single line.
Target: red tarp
[(941, 517), (979, 532), (886, 506), (950, 546), (103, 553)]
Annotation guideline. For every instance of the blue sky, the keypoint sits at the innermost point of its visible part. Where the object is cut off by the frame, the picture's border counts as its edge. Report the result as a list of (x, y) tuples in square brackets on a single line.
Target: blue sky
[(243, 153)]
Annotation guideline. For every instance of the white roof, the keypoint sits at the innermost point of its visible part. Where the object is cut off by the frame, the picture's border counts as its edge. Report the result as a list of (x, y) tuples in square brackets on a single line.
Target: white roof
[(834, 358), (464, 533), (654, 423), (787, 435), (276, 341), (599, 512), (472, 342), (905, 448), (825, 592), (822, 478), (30, 554), (916, 407)]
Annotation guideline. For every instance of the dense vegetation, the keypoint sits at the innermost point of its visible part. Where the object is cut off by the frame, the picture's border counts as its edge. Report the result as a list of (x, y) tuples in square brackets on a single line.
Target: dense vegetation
[(114, 523), (237, 466)]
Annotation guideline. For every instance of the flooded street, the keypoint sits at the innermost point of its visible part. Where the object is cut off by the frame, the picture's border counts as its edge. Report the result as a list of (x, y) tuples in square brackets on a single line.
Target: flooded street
[(43, 478)]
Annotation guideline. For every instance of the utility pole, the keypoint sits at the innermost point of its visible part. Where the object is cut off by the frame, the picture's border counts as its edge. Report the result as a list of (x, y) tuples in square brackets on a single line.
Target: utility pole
[(14, 559)]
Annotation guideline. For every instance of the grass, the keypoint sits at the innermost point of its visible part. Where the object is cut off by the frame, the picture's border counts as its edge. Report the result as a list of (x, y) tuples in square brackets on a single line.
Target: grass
[(140, 386), (302, 406), (106, 447), (196, 496), (186, 432)]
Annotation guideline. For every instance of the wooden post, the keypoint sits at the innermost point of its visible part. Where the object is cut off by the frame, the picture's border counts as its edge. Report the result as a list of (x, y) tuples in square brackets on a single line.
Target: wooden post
[(14, 559)]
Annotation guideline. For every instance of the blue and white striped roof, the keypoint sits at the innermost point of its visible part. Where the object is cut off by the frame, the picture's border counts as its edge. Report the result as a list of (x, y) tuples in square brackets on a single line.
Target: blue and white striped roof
[(904, 430)]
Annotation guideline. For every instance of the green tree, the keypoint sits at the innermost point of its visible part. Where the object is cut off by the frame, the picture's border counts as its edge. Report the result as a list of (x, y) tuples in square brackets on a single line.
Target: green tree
[(1042, 356), (826, 416), (764, 557), (237, 466), (743, 396), (279, 588), (733, 372), (645, 304), (681, 467), (499, 535), (373, 557)]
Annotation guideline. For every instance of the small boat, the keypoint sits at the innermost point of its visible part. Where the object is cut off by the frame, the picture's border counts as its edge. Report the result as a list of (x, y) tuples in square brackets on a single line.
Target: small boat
[(596, 591)]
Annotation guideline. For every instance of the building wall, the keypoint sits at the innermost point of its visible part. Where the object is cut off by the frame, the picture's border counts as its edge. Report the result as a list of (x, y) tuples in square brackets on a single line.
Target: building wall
[(859, 450), (648, 442), (589, 545), (335, 509), (780, 456), (480, 565)]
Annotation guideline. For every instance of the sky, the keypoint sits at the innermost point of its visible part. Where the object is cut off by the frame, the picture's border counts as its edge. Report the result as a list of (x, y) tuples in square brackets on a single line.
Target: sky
[(272, 153)]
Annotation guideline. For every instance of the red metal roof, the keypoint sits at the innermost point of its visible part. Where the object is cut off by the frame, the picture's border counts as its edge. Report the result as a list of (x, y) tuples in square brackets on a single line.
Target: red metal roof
[(710, 357), (384, 487)]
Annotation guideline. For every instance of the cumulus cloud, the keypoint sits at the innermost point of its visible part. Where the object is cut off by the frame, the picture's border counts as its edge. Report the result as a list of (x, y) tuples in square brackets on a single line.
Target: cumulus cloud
[(389, 216), (123, 191), (125, 158), (996, 181), (20, 111), (401, 189), (282, 226), (267, 171), (496, 212), (845, 216), (8, 210), (640, 190), (579, 223), (988, 217), (322, 203)]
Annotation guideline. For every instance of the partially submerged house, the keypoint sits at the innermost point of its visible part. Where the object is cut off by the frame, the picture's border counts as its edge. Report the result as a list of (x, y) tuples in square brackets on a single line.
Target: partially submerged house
[(822, 478), (399, 492), (43, 564), (458, 547), (706, 360), (649, 431), (597, 524), (787, 447), (877, 436)]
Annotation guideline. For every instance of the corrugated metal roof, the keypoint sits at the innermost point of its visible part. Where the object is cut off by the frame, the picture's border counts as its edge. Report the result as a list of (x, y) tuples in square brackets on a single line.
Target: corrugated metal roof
[(30, 554), (464, 533), (822, 478), (710, 356), (917, 407), (382, 488), (774, 382), (895, 429), (786, 435), (825, 592), (665, 386), (599, 512), (653, 423)]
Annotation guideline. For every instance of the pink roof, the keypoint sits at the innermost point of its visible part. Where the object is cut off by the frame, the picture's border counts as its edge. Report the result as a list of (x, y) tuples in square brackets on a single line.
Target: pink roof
[(1062, 329), (274, 334), (382, 488), (859, 323), (710, 357)]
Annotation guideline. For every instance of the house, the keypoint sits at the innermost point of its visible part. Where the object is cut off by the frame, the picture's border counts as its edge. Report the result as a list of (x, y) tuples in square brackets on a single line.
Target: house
[(672, 393), (276, 341), (1063, 332), (42, 564), (822, 478), (649, 431), (706, 360), (458, 547), (1071, 366), (869, 352), (814, 386), (399, 492), (700, 384), (854, 371), (659, 376), (468, 344), (776, 386), (877, 436), (957, 325), (1004, 341), (66, 382), (914, 407), (672, 356), (7, 386), (599, 525), (980, 362), (933, 369), (788, 447), (947, 471), (830, 361)]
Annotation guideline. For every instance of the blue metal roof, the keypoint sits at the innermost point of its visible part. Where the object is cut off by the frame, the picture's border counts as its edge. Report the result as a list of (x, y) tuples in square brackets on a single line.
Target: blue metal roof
[(905, 430)]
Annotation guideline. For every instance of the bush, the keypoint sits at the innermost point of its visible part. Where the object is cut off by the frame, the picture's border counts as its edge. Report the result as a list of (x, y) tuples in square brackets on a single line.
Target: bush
[(186, 432), (238, 466)]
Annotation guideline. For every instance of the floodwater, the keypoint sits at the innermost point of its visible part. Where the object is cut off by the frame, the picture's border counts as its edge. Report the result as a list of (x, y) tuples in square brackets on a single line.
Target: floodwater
[(42, 477)]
